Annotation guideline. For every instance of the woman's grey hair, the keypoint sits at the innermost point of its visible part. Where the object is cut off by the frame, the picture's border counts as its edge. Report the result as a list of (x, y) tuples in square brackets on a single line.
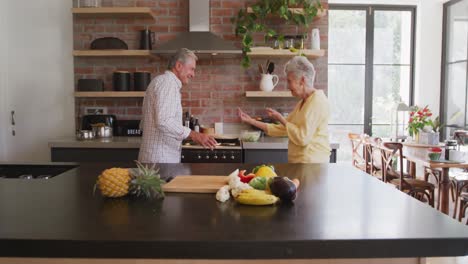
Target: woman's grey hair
[(181, 55), (301, 66)]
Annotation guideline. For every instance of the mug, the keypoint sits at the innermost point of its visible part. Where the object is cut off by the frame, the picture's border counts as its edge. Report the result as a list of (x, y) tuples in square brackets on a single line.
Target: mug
[(147, 39), (267, 84)]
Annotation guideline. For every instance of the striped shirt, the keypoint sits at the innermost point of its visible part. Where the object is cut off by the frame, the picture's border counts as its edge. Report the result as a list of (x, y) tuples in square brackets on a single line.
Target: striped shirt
[(162, 127)]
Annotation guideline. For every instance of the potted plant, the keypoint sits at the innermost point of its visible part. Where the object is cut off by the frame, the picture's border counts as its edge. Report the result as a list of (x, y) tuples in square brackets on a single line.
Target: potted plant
[(256, 21)]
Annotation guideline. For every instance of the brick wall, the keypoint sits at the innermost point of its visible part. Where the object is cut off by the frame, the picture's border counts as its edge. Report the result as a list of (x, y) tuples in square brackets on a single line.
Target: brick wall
[(219, 85)]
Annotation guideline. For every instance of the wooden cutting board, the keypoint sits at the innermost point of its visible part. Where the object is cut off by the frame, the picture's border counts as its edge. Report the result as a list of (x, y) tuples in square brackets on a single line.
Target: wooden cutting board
[(196, 184)]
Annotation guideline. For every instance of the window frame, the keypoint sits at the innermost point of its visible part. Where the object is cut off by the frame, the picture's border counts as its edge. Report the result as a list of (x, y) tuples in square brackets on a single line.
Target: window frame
[(443, 78), (369, 60)]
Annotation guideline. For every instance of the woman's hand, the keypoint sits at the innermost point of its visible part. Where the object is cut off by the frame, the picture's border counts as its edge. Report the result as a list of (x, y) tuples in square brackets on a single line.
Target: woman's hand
[(244, 117), (276, 115)]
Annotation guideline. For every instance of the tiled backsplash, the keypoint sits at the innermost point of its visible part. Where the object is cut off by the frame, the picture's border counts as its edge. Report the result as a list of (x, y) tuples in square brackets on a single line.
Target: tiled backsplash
[(219, 85)]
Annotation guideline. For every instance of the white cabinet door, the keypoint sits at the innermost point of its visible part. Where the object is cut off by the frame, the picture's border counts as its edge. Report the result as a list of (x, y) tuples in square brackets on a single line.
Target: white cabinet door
[(39, 86)]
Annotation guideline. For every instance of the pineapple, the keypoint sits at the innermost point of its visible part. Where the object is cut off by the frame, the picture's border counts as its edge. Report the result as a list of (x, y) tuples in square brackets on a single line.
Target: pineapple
[(142, 181), (113, 182), (146, 182)]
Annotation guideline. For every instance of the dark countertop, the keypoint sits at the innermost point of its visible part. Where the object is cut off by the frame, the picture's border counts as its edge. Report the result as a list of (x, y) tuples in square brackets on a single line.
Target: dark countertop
[(340, 212), (135, 142)]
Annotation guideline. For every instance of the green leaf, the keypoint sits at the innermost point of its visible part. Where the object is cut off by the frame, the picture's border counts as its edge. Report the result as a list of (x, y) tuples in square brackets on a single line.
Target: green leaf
[(271, 33), (245, 62), (247, 41)]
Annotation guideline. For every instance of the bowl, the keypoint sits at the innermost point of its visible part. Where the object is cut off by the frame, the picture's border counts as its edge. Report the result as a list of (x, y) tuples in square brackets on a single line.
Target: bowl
[(250, 136), (434, 155)]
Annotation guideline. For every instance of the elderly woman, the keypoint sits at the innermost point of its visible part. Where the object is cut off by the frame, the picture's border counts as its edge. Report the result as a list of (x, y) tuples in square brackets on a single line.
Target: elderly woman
[(307, 125)]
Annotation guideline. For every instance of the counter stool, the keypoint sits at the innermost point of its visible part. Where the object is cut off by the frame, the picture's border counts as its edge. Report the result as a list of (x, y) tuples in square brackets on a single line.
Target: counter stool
[(419, 189)]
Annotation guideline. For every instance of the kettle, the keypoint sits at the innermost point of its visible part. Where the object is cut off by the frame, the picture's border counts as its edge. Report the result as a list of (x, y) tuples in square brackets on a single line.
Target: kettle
[(147, 39)]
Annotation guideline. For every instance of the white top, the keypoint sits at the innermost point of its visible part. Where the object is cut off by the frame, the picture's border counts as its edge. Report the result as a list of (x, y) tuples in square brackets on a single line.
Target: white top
[(162, 127)]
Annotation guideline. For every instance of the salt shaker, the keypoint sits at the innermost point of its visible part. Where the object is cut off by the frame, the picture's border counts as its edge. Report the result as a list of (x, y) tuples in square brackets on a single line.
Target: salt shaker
[(315, 39)]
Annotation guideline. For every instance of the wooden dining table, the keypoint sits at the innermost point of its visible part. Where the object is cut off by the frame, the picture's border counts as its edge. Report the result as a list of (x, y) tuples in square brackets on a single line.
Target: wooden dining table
[(415, 160)]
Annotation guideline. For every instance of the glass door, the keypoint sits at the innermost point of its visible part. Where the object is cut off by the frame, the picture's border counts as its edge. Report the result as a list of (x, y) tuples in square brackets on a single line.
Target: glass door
[(391, 69), (370, 66)]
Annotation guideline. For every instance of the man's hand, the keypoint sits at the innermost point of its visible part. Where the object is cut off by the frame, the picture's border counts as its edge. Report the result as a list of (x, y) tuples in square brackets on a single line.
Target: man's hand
[(206, 141)]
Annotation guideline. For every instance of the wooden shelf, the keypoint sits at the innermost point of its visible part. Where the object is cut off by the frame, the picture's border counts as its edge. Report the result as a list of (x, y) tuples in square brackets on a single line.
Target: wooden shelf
[(278, 94), (106, 12), (110, 94), (112, 53), (270, 52), (320, 13)]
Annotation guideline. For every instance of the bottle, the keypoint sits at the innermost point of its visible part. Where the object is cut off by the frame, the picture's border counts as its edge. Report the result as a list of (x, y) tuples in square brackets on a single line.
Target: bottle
[(315, 43), (192, 122), (196, 126), (187, 120)]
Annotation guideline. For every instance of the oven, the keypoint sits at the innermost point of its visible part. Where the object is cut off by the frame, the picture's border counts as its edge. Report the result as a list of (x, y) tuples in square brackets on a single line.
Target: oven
[(227, 151)]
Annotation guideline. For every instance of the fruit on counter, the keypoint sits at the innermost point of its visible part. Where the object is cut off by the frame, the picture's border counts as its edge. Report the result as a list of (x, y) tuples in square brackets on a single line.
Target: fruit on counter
[(234, 187), (256, 197), (254, 170), (265, 171), (259, 183), (113, 182), (223, 194), (296, 182), (246, 178), (283, 187), (142, 181), (146, 182)]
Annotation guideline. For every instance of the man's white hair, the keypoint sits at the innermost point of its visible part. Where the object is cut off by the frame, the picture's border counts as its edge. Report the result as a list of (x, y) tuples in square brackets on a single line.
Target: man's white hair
[(181, 55), (301, 66)]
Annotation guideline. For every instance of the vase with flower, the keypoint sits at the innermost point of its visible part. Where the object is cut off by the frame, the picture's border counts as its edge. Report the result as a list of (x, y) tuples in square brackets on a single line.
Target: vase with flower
[(420, 118)]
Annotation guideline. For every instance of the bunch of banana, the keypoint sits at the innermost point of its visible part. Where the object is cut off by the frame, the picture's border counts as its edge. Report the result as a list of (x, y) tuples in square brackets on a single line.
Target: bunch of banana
[(256, 197)]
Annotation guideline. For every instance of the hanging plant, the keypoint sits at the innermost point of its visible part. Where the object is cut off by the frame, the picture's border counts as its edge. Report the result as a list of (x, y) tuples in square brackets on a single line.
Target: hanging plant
[(256, 21)]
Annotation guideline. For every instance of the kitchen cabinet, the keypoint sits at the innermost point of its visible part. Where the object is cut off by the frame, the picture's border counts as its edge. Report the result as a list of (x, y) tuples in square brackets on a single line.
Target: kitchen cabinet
[(93, 154), (273, 156)]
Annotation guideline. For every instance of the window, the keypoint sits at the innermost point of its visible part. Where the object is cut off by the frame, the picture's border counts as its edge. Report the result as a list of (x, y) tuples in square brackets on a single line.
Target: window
[(370, 66), (454, 88)]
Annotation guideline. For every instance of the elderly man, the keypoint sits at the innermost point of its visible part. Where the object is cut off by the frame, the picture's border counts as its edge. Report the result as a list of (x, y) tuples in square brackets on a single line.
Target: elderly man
[(162, 113), (307, 125)]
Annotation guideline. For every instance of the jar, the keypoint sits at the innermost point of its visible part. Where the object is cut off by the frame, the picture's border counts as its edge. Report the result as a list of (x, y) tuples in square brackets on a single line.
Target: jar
[(299, 43), (278, 44), (89, 3)]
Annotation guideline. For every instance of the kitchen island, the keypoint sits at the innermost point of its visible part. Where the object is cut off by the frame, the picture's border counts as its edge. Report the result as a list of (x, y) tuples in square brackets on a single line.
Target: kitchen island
[(339, 213)]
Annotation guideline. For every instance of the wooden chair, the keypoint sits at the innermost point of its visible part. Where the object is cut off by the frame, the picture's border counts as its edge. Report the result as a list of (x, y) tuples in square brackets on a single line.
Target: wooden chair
[(435, 173), (463, 207), (372, 156), (460, 136), (419, 189), (357, 146), (459, 183)]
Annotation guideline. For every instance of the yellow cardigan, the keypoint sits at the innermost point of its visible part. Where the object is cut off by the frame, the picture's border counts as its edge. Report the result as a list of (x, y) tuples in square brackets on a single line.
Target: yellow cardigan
[(307, 130)]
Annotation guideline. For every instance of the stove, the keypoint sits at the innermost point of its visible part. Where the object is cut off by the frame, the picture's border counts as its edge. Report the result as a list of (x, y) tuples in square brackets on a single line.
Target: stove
[(227, 151)]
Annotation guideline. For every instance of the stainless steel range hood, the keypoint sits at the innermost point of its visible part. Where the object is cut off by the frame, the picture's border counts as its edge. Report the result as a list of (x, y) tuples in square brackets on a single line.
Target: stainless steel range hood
[(199, 39)]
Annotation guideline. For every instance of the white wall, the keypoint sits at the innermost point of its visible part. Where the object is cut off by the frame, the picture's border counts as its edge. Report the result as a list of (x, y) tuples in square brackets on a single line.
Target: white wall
[(428, 50), (3, 76), (40, 77)]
